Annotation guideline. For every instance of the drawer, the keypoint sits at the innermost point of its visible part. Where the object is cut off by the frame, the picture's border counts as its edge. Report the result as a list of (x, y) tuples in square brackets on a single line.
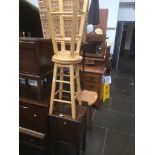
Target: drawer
[(27, 45), (33, 138), (35, 88), (33, 117), (70, 128), (92, 86), (92, 77)]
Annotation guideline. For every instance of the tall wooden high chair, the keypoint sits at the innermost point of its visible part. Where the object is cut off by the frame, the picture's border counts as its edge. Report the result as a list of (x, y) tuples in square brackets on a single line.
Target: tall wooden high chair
[(66, 19)]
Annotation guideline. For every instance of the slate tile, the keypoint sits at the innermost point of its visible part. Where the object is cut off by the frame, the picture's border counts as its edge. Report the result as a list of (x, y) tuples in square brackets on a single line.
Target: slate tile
[(120, 80), (127, 96), (105, 105), (116, 143), (131, 146), (127, 86), (122, 106), (64, 150), (95, 141), (114, 120)]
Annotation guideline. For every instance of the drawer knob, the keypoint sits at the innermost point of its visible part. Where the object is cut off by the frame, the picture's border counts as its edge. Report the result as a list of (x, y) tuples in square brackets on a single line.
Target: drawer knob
[(65, 123), (35, 115), (23, 107)]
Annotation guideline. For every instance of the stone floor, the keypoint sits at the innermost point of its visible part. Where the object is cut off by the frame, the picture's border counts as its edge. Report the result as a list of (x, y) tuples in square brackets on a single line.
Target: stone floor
[(113, 130)]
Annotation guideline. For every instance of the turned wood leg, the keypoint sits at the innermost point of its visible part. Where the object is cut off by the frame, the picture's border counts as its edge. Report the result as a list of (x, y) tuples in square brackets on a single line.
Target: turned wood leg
[(78, 83), (72, 89), (61, 86), (53, 88)]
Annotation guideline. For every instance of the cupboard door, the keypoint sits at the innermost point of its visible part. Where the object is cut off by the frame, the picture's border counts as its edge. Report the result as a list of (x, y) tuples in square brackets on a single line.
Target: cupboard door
[(28, 57), (92, 77), (33, 117)]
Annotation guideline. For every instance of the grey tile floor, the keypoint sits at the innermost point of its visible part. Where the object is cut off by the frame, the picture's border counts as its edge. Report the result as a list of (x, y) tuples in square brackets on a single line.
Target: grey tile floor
[(113, 130)]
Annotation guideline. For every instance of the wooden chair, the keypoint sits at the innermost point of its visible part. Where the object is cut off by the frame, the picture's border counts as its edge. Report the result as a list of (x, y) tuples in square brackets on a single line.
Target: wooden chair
[(90, 97), (66, 19)]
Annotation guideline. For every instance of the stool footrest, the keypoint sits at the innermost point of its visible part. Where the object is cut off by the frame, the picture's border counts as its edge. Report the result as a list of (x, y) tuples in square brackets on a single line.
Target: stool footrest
[(57, 91), (63, 81), (66, 91), (62, 101)]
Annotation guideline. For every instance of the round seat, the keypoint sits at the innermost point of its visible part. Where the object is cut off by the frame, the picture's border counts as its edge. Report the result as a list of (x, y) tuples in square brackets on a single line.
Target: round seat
[(66, 58)]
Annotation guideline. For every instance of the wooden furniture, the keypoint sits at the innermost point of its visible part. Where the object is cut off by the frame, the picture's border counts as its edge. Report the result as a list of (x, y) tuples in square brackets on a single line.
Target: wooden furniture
[(95, 46), (90, 97), (66, 21), (33, 123), (63, 130), (35, 77), (95, 64), (35, 55), (92, 76), (35, 87)]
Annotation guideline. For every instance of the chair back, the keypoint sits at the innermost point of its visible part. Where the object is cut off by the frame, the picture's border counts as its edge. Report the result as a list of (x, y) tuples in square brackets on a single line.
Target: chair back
[(66, 19)]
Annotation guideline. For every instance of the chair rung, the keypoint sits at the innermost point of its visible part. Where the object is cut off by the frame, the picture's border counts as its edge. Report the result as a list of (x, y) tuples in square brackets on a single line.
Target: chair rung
[(62, 101), (81, 11), (64, 39), (63, 75), (65, 91), (58, 74), (60, 12), (78, 16), (66, 75), (65, 13), (57, 91), (62, 81)]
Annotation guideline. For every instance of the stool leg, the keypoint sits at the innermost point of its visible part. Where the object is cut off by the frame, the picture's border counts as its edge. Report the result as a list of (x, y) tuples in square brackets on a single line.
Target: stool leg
[(72, 89), (61, 86), (53, 88), (78, 83)]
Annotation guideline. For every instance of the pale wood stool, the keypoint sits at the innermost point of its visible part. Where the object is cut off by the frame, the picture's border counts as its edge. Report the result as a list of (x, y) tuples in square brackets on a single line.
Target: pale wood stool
[(90, 97), (66, 20)]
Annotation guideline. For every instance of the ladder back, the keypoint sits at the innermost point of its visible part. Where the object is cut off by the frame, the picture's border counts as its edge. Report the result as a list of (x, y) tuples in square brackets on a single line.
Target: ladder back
[(66, 19)]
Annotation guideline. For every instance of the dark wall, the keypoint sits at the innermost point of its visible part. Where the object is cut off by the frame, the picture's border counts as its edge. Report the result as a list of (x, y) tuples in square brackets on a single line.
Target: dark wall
[(29, 19)]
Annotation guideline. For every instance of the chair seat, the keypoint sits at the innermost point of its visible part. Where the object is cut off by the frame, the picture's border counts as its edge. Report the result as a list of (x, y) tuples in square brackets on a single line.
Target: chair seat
[(88, 96), (66, 58)]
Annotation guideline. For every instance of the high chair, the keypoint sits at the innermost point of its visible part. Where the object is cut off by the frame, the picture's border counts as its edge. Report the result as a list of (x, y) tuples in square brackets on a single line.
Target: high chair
[(66, 19)]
